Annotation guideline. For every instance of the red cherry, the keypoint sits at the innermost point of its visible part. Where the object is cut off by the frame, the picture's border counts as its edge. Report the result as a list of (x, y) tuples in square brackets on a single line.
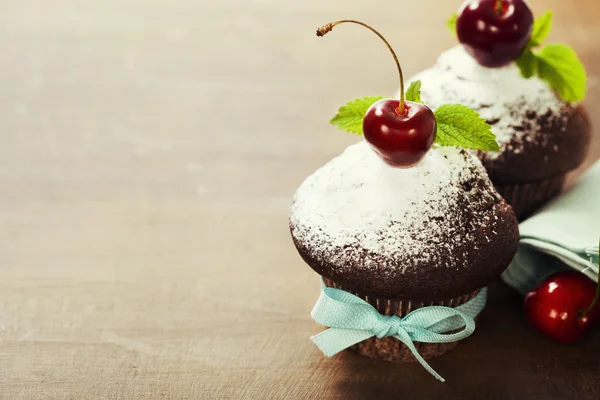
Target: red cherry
[(494, 32), (556, 307), (400, 131), (401, 139)]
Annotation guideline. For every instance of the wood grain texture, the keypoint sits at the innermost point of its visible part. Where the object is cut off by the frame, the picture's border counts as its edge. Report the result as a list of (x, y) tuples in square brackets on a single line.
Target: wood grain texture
[(149, 151)]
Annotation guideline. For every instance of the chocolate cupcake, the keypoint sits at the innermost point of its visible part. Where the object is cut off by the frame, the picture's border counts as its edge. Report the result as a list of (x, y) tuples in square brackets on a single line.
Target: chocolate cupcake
[(403, 239), (542, 137)]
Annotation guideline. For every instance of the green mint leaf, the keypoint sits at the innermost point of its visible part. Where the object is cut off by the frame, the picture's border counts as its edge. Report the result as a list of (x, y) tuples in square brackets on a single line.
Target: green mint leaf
[(350, 116), (451, 23), (414, 92), (556, 64), (458, 125), (527, 63), (560, 67), (541, 29)]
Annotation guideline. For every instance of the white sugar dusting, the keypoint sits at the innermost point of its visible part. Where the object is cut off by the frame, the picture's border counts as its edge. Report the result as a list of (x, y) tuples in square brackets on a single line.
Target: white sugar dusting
[(509, 102), (358, 208)]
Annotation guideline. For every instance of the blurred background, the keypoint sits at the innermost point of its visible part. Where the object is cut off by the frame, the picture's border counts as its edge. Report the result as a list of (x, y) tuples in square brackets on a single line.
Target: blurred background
[(149, 151)]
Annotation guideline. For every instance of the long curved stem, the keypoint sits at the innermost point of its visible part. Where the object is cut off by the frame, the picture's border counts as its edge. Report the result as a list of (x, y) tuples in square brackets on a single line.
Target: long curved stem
[(322, 31)]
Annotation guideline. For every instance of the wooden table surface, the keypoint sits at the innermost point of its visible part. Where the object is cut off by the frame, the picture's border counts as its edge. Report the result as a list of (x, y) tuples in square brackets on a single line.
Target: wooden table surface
[(149, 151)]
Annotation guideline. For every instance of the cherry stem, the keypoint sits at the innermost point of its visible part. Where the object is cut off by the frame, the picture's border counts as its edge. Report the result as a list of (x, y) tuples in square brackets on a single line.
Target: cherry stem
[(322, 31), (597, 296), (499, 7)]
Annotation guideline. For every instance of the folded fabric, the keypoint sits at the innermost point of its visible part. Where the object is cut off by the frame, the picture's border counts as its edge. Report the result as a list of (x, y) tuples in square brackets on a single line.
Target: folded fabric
[(563, 235)]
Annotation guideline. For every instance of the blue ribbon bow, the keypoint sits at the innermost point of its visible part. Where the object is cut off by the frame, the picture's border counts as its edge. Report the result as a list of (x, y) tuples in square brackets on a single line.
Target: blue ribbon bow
[(352, 320)]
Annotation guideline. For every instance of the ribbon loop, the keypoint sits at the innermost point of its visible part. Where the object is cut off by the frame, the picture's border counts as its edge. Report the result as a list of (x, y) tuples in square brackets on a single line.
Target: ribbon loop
[(351, 320)]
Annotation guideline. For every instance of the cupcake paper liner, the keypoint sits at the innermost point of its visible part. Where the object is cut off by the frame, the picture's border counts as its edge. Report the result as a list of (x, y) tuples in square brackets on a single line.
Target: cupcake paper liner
[(526, 198), (391, 349)]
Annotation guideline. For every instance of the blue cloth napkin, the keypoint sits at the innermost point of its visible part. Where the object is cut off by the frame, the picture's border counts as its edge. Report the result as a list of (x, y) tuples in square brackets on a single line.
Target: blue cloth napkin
[(563, 235)]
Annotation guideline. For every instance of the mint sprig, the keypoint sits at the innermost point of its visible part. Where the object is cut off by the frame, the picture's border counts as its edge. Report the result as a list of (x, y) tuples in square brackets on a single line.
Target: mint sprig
[(461, 126), (350, 116), (413, 93), (527, 63), (457, 125), (451, 23), (556, 64), (560, 67), (541, 29)]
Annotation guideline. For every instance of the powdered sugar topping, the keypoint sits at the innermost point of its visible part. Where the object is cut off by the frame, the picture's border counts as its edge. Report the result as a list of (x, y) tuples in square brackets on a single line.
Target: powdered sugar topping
[(509, 102), (357, 207)]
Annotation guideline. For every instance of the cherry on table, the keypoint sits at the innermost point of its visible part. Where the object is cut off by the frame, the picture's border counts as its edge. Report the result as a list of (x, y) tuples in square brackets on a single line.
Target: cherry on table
[(494, 32), (400, 139), (558, 307)]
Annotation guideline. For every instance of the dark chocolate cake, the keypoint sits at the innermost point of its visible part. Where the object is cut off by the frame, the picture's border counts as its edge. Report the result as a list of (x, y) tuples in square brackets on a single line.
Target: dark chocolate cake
[(402, 239), (432, 232)]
